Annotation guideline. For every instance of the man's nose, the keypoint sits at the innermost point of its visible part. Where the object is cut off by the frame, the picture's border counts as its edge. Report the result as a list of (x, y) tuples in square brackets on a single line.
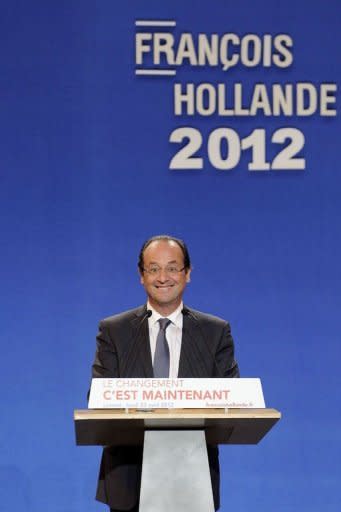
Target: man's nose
[(163, 275)]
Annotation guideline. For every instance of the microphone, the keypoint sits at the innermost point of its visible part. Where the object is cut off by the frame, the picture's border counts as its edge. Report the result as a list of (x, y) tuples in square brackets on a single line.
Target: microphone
[(132, 354), (187, 312)]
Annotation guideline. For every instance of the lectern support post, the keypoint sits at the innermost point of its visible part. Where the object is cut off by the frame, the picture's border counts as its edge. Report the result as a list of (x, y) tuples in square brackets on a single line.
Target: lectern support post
[(175, 472)]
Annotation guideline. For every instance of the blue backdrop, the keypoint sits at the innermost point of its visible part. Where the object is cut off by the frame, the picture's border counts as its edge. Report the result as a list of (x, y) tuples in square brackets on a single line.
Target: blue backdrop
[(85, 178)]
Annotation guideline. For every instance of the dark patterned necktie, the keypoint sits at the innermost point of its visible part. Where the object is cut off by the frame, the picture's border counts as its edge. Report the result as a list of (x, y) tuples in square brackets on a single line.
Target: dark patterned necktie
[(161, 356)]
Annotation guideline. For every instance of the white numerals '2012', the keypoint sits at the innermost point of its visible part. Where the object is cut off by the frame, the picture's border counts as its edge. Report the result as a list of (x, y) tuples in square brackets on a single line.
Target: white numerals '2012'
[(224, 148)]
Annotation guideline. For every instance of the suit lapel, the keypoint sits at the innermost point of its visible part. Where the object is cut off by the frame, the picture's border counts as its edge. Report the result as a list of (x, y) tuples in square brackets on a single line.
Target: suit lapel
[(141, 359), (192, 356)]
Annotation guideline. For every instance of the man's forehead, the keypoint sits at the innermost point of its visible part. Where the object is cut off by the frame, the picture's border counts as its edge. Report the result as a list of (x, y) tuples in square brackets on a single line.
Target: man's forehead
[(163, 249), (152, 261)]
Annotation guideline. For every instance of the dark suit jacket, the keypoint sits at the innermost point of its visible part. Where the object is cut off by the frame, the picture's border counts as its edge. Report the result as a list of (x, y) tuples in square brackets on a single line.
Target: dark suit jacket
[(123, 350)]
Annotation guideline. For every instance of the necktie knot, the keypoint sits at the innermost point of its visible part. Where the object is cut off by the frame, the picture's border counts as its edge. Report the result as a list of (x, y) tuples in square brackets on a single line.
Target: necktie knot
[(164, 323)]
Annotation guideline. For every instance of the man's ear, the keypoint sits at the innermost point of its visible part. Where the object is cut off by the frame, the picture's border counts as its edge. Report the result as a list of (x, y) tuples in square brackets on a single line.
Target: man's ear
[(141, 277), (188, 275)]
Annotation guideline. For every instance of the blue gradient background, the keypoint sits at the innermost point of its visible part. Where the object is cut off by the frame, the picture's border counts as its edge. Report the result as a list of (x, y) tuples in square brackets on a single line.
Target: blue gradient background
[(84, 179)]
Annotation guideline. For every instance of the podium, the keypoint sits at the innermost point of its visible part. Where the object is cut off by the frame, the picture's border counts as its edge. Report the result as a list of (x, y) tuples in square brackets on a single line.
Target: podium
[(175, 471)]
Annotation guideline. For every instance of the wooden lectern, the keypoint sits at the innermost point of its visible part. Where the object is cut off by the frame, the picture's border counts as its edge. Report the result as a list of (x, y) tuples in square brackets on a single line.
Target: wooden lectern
[(175, 471)]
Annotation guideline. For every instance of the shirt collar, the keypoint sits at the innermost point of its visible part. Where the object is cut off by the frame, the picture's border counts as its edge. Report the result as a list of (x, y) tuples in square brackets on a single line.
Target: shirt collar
[(175, 317)]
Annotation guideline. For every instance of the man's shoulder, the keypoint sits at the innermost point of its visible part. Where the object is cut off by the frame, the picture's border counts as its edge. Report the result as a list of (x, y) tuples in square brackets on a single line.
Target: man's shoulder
[(202, 317), (124, 316)]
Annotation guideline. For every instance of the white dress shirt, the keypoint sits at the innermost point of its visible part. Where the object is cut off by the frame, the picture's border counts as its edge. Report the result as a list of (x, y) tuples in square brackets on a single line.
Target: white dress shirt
[(173, 336)]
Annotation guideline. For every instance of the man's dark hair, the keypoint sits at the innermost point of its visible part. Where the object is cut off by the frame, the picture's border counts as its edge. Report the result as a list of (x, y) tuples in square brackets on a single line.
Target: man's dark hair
[(166, 238)]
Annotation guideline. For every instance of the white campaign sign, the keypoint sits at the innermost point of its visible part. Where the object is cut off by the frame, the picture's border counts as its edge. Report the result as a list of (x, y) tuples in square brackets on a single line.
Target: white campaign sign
[(134, 393)]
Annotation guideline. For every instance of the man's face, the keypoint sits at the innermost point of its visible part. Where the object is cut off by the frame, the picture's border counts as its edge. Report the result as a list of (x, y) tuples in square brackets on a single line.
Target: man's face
[(163, 282)]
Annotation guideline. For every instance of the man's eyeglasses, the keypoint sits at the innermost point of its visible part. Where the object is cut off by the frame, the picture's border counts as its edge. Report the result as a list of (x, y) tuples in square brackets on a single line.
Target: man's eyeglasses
[(171, 270)]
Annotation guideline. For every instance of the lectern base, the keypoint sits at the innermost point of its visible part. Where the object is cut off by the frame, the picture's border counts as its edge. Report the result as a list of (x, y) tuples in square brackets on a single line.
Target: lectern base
[(175, 472)]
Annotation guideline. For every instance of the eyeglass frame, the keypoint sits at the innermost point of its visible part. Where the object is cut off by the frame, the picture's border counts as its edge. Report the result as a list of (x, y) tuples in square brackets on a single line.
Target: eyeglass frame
[(157, 270)]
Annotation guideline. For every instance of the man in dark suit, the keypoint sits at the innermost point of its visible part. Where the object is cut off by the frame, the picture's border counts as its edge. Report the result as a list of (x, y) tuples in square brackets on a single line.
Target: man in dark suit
[(197, 345)]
